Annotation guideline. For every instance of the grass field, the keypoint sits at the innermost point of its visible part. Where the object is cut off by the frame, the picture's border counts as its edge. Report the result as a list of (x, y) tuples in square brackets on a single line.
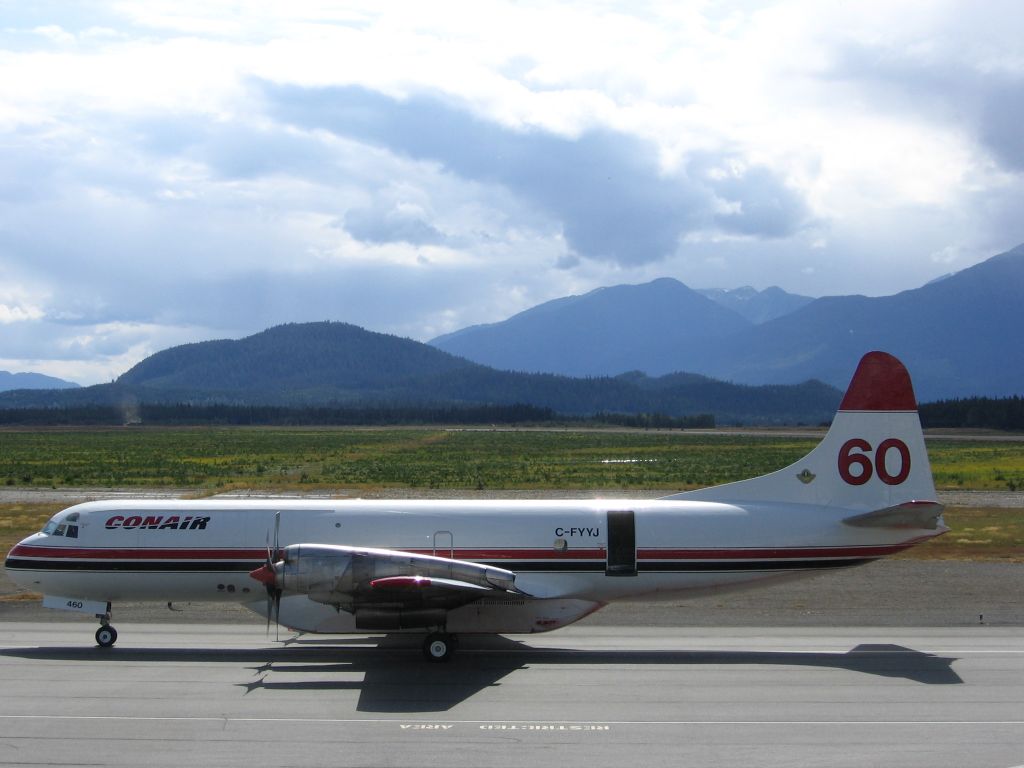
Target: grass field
[(415, 458), (212, 458), (976, 534)]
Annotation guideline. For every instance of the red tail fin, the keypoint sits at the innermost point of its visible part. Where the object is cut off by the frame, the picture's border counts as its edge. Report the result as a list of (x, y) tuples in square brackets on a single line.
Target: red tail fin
[(881, 383)]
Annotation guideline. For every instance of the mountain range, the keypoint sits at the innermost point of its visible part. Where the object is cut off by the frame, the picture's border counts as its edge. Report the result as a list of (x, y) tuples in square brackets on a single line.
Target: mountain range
[(754, 305), (602, 333), (955, 334), (10, 381), (341, 365), (619, 349)]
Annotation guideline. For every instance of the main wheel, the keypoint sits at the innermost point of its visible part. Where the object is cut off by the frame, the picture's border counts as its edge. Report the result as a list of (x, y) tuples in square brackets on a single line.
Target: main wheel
[(106, 636), (438, 647)]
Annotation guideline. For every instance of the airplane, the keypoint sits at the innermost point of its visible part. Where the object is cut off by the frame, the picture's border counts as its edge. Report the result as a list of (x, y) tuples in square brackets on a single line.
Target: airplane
[(447, 568)]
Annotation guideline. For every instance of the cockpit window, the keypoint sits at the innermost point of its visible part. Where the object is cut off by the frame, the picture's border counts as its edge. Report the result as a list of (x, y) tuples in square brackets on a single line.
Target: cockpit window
[(67, 526)]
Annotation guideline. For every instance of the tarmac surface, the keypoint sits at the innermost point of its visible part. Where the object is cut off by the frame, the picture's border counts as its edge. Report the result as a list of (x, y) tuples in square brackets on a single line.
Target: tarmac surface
[(226, 695)]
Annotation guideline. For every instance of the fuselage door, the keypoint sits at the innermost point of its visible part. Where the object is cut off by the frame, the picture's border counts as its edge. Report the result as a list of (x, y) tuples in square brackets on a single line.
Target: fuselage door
[(444, 544), (621, 552)]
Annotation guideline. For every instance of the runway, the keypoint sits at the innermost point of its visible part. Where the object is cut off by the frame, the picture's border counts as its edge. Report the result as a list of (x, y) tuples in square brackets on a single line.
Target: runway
[(225, 695)]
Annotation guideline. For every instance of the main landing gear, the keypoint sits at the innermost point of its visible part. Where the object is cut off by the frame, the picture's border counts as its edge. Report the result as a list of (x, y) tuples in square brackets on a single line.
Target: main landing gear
[(439, 647), (106, 635)]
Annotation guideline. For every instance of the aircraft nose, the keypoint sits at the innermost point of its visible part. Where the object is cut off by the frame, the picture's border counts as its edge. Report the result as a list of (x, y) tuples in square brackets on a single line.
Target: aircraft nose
[(18, 561), (13, 554)]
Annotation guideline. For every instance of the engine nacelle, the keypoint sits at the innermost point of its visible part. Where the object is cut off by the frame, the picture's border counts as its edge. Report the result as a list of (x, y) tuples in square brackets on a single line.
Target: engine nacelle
[(342, 576)]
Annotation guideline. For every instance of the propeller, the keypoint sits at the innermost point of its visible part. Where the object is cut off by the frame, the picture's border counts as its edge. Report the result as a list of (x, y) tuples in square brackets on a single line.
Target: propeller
[(267, 576)]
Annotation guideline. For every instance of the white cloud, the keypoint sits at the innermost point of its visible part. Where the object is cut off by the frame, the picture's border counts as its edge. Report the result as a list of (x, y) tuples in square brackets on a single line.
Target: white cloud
[(17, 313), (156, 189), (19, 302)]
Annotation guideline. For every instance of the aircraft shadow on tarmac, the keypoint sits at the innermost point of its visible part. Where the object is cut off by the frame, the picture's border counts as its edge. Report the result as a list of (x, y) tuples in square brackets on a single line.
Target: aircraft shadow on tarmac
[(396, 679)]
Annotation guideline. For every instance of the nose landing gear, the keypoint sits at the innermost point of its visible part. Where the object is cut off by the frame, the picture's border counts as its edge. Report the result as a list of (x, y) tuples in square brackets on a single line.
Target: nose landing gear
[(106, 635)]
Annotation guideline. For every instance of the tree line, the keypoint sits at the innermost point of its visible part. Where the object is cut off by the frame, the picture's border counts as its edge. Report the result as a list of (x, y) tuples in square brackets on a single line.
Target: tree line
[(1005, 413), (185, 414)]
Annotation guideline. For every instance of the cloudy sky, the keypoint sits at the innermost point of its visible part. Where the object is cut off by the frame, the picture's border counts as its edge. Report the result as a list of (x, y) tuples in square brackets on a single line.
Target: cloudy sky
[(180, 170)]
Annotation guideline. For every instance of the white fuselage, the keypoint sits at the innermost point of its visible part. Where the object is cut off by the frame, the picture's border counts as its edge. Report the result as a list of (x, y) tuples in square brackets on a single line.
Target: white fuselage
[(570, 557)]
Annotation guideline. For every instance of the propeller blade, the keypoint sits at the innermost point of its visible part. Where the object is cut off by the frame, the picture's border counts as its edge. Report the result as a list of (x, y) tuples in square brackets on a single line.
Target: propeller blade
[(277, 615), (267, 576)]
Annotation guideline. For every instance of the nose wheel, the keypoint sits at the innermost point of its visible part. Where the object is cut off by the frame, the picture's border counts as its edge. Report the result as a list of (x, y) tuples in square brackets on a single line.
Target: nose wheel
[(106, 635), (439, 647)]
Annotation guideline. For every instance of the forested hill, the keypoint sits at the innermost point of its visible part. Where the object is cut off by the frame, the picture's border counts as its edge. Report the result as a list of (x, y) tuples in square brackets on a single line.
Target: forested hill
[(295, 358), (336, 364)]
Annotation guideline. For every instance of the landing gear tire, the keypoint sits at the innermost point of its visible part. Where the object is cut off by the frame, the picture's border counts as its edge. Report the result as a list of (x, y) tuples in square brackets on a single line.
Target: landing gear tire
[(439, 647), (106, 636)]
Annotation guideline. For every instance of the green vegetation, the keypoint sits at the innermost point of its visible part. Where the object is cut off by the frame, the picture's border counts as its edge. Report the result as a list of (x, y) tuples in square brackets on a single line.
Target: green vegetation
[(977, 465), (975, 413), (369, 458), (184, 414), (211, 458)]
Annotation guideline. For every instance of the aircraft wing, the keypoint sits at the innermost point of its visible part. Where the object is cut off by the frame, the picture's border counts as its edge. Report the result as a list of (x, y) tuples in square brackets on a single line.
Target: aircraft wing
[(353, 578)]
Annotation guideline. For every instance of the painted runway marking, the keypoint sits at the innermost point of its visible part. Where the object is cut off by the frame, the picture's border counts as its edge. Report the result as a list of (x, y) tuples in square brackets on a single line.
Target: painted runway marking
[(491, 724)]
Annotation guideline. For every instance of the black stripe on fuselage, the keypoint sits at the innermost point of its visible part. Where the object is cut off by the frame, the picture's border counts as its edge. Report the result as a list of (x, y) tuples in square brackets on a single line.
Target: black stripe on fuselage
[(751, 565), (148, 566)]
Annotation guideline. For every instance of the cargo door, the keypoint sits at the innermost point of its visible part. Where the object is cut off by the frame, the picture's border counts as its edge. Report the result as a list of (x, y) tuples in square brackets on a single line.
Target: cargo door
[(621, 553)]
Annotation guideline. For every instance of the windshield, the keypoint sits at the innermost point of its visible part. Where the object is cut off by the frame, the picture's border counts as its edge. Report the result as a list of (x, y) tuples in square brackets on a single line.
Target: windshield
[(62, 525)]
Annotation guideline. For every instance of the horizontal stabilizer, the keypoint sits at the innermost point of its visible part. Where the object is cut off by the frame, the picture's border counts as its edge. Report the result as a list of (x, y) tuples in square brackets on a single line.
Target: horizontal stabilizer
[(912, 514)]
